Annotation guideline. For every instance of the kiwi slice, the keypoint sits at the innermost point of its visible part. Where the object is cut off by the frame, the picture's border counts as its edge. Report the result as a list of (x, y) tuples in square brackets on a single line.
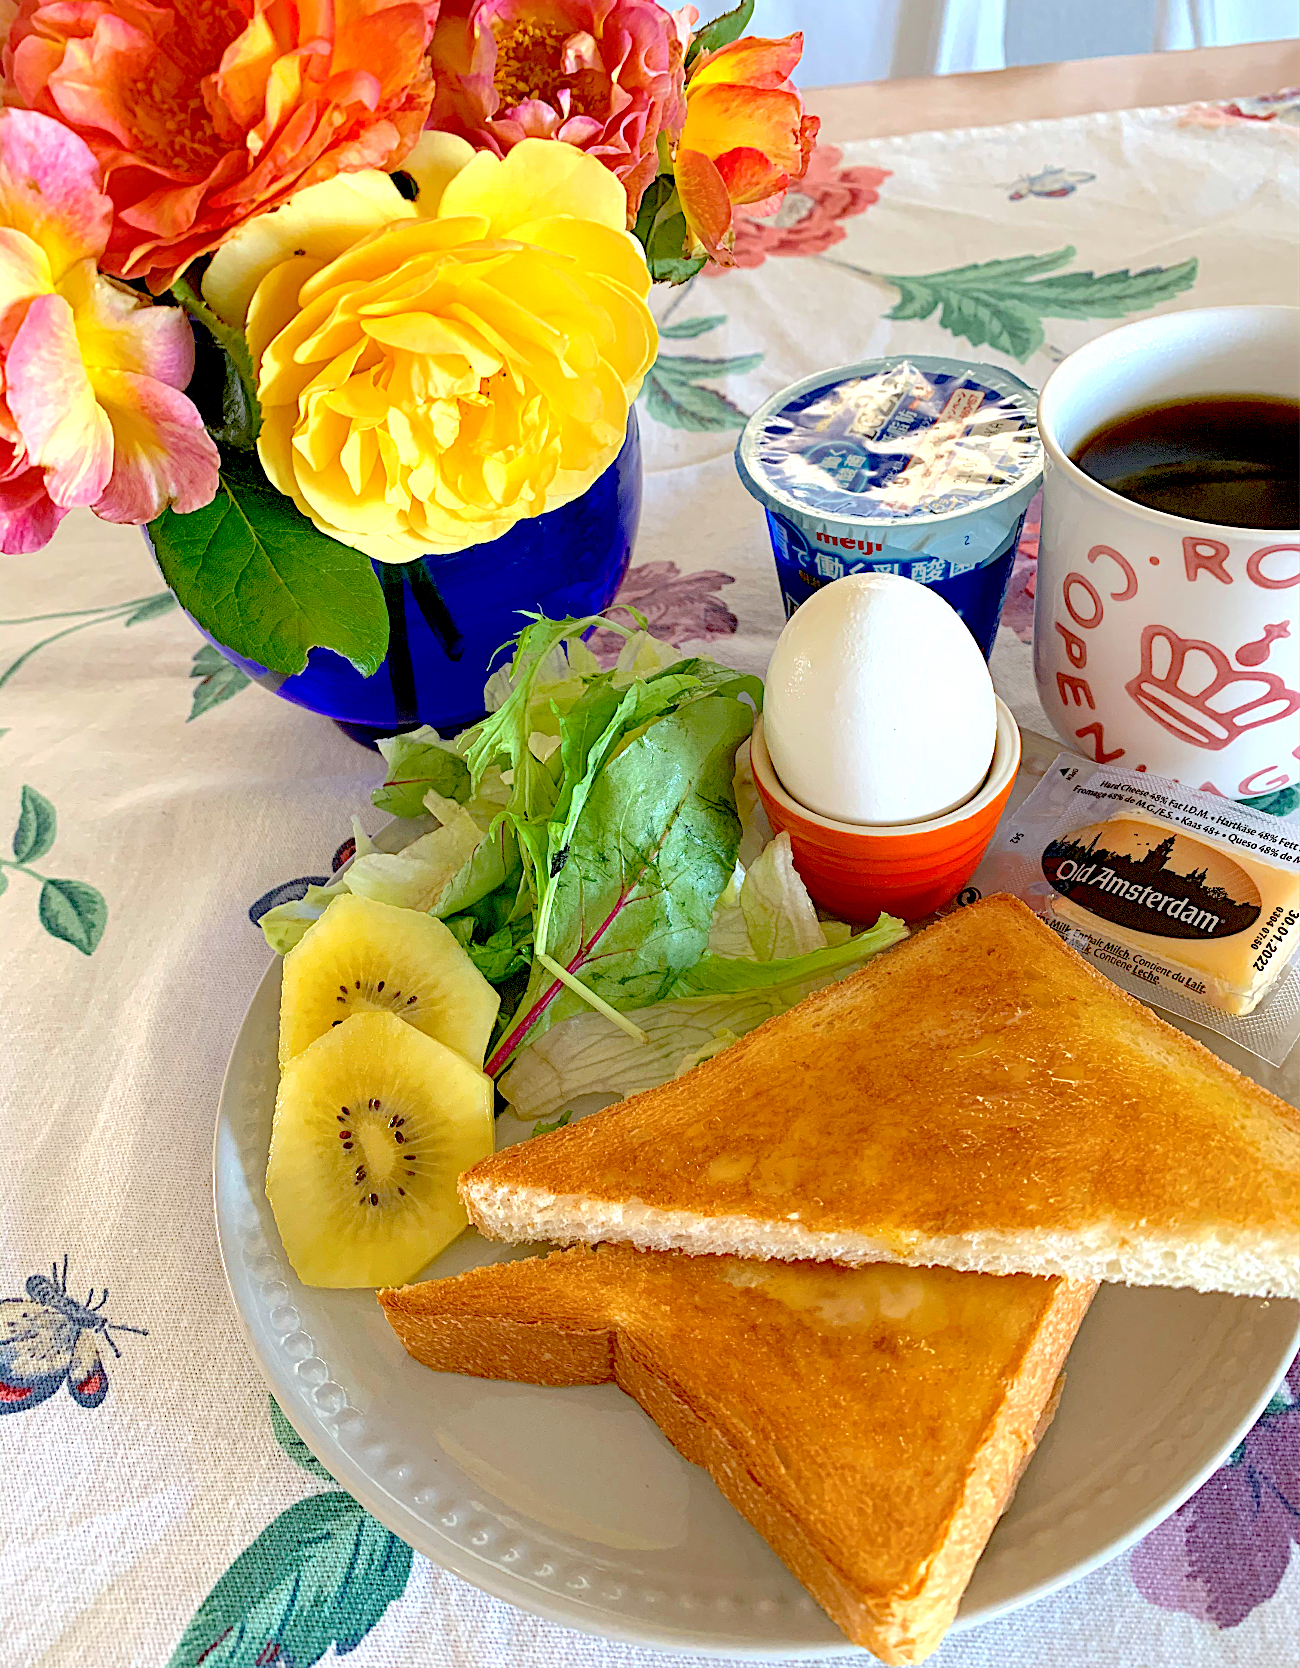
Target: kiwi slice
[(374, 1123), (368, 957)]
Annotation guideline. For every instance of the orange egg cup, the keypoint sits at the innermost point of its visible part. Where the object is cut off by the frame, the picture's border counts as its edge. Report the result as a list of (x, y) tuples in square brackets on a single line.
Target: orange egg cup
[(909, 869)]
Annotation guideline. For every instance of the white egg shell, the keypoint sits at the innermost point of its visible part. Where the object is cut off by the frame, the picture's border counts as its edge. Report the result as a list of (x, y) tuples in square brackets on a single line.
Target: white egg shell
[(879, 707)]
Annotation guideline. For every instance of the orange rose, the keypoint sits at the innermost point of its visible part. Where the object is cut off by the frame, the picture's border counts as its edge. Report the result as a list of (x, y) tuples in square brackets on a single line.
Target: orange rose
[(746, 138), (202, 113)]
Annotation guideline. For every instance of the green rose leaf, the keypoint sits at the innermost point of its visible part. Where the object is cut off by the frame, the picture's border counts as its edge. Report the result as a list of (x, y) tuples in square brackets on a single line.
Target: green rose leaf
[(721, 31), (37, 825), (661, 231), (293, 1444), (321, 1574), (255, 573), (74, 912), (224, 386)]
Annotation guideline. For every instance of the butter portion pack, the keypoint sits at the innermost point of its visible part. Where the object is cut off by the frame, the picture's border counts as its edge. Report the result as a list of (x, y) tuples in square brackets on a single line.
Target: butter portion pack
[(1187, 900)]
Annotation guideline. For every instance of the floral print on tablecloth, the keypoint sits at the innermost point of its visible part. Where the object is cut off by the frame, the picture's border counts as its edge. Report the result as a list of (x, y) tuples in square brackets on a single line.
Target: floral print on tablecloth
[(678, 608), (808, 220), (1226, 1550)]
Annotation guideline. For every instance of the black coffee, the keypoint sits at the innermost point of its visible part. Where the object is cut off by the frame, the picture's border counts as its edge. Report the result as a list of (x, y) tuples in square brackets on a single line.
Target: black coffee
[(1232, 459)]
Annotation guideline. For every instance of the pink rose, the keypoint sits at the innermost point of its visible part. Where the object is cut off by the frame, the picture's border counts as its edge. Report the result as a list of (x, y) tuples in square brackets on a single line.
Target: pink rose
[(604, 75), (92, 408)]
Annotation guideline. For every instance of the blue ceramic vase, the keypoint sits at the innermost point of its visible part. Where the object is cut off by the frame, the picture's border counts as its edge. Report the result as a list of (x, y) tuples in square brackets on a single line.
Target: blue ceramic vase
[(449, 616)]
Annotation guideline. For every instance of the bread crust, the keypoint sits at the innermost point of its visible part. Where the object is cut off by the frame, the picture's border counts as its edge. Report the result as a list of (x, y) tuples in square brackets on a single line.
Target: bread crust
[(741, 1381), (980, 1079)]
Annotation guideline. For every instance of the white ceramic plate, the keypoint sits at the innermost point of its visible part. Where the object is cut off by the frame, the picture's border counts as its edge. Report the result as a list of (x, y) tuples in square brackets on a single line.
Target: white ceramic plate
[(570, 1504)]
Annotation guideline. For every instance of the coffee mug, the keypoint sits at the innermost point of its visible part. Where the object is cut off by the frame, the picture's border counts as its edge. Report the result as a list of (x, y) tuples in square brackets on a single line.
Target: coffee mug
[(1161, 643)]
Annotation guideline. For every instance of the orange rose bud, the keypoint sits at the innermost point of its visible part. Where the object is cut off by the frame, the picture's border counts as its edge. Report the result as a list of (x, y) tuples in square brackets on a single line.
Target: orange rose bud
[(745, 138)]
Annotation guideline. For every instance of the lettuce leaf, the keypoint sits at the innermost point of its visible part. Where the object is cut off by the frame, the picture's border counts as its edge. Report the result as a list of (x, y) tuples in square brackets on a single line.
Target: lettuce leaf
[(441, 870), (779, 915), (420, 874), (585, 1054), (283, 926), (755, 830), (417, 762)]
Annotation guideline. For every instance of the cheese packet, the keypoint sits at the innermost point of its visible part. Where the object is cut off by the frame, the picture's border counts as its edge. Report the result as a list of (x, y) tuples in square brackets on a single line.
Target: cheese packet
[(1187, 900)]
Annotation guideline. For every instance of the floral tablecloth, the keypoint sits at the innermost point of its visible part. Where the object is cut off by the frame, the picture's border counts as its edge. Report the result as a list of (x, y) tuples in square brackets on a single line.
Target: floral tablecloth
[(156, 1509)]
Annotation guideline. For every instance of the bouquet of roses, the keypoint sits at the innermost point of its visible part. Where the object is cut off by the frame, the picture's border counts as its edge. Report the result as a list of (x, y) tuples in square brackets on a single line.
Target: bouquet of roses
[(304, 286)]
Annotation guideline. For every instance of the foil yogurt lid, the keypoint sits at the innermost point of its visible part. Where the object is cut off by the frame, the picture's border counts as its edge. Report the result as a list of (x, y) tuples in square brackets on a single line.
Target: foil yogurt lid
[(893, 441)]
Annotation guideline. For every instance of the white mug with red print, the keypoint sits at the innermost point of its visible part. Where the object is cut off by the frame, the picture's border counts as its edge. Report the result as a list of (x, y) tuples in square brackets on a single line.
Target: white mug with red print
[(1160, 643)]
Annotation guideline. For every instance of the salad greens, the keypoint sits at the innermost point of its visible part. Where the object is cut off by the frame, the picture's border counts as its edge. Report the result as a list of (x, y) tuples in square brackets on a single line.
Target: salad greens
[(584, 844), (585, 1056), (418, 763)]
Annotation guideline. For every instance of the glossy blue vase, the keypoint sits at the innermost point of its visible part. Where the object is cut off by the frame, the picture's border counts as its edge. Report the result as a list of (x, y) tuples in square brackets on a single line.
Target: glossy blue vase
[(448, 616)]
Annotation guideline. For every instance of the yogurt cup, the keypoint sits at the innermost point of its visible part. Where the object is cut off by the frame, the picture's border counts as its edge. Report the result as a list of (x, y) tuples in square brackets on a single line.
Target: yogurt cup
[(919, 466)]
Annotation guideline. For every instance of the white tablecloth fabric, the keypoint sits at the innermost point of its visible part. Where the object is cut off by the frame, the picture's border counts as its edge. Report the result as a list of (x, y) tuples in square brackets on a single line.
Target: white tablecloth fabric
[(180, 797)]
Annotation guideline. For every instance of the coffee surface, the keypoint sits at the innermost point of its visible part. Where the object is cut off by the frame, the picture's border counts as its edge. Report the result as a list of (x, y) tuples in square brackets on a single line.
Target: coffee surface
[(1232, 459)]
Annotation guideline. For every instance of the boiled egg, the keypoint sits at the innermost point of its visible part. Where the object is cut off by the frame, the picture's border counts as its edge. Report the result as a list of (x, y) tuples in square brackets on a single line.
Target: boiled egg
[(879, 706)]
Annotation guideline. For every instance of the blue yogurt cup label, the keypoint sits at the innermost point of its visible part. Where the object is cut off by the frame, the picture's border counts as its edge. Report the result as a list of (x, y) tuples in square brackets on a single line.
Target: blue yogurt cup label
[(921, 467)]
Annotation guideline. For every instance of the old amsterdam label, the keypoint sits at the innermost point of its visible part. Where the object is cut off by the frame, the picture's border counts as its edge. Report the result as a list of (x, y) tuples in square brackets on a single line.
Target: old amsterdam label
[(1152, 879)]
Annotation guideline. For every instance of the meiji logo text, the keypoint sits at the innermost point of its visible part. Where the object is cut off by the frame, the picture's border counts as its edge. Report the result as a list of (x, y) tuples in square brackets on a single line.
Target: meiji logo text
[(849, 544)]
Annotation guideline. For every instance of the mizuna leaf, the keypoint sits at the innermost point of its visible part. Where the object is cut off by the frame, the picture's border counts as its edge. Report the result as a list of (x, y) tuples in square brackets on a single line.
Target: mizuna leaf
[(257, 576), (74, 912), (550, 1127), (1003, 302), (37, 826), (731, 975), (321, 1574)]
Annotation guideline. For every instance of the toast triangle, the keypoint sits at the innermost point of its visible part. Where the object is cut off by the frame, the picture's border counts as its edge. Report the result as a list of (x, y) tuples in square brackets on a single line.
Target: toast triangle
[(978, 1097), (871, 1424)]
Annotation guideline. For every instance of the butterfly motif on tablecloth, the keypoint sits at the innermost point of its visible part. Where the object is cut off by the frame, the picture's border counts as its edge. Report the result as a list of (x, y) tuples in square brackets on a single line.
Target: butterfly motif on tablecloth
[(47, 1339), (1047, 182)]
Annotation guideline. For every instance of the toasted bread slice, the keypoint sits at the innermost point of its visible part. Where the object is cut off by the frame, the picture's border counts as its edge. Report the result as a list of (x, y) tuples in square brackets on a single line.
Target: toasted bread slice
[(870, 1423), (978, 1097)]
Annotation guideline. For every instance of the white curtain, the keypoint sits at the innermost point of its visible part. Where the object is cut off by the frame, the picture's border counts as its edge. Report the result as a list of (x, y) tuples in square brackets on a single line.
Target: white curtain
[(873, 40)]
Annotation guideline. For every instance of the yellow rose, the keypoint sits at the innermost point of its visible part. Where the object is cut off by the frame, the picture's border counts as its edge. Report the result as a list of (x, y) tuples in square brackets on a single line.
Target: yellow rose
[(432, 372)]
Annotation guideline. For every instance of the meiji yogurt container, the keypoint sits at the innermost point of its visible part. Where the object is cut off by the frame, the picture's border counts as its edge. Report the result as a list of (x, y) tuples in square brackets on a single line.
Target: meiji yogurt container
[(918, 466)]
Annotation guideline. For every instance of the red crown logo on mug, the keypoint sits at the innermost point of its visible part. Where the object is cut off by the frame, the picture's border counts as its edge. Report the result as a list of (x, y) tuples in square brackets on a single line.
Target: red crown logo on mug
[(1163, 642), (1192, 689)]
